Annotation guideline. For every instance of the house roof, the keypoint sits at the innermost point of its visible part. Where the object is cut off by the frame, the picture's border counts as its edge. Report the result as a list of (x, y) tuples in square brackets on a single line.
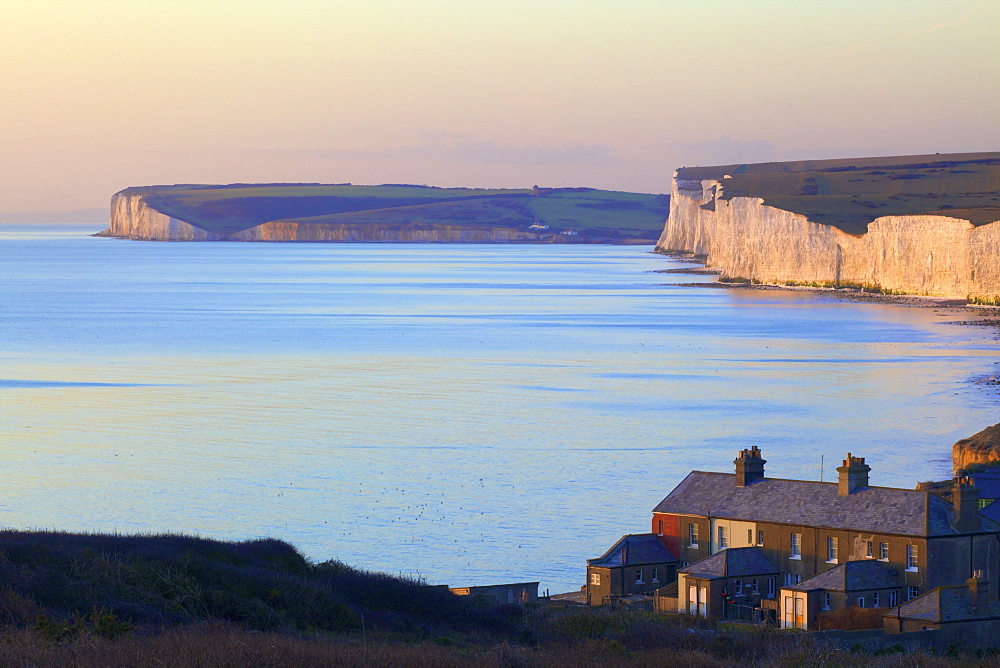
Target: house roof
[(808, 503), (852, 576), (634, 550), (945, 604), (734, 562)]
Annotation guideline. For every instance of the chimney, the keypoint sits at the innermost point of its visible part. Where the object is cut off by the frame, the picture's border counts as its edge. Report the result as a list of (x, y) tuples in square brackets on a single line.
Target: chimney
[(965, 506), (853, 475), (749, 467), (979, 597)]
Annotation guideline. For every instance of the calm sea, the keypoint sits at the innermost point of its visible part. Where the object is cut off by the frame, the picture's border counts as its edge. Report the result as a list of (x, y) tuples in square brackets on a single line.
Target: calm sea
[(467, 414)]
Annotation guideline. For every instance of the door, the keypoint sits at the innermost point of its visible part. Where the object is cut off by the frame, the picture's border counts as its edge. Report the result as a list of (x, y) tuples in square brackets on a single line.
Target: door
[(788, 614), (692, 600)]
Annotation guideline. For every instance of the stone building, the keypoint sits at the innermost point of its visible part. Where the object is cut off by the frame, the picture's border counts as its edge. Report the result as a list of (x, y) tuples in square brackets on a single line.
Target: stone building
[(636, 564), (964, 615), (914, 540)]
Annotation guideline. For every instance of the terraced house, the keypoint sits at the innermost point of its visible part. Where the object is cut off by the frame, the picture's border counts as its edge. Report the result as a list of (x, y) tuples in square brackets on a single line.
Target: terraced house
[(805, 547)]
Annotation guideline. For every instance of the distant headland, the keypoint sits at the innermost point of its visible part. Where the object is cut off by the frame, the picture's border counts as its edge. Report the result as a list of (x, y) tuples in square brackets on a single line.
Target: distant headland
[(925, 225), (384, 213)]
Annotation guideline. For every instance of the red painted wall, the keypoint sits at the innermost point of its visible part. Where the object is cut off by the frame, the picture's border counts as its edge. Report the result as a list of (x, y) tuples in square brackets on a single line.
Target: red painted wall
[(671, 537)]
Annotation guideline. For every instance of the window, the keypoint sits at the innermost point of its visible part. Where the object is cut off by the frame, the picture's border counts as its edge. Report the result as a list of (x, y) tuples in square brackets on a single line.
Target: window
[(796, 546), (831, 550), (739, 587), (883, 551), (755, 591), (792, 579), (760, 537), (659, 527), (984, 502), (826, 600), (911, 557), (656, 574), (875, 600), (692, 535), (723, 544), (893, 599), (912, 592), (870, 549), (595, 578), (861, 601), (638, 576), (749, 536), (771, 586)]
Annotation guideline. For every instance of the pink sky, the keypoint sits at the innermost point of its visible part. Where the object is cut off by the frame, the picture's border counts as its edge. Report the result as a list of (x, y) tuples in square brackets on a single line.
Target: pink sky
[(96, 95)]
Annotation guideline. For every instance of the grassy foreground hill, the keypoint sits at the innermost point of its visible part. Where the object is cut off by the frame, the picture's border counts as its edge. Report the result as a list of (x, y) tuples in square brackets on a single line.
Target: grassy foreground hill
[(594, 215), (71, 599), (850, 193)]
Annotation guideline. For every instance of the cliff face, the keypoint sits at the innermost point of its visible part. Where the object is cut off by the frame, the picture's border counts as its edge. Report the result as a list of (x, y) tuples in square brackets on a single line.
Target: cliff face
[(981, 448), (131, 218), (919, 254)]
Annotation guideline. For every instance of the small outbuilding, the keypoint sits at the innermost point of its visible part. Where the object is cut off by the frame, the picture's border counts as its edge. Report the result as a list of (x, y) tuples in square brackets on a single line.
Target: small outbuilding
[(965, 615), (636, 564), (518, 592)]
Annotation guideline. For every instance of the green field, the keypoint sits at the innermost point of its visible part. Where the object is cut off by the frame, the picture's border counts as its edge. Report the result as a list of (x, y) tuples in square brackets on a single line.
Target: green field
[(851, 193), (593, 214)]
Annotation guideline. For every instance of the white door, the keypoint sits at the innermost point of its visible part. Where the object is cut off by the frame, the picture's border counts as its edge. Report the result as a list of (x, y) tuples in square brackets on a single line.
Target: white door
[(787, 617), (702, 602), (692, 600)]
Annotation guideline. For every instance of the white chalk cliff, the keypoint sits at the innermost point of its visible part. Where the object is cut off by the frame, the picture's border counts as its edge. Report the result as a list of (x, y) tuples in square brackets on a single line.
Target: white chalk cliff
[(133, 218), (916, 254)]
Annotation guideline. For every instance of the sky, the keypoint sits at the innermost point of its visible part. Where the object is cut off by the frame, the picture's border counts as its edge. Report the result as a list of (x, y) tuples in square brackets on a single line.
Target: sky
[(99, 95)]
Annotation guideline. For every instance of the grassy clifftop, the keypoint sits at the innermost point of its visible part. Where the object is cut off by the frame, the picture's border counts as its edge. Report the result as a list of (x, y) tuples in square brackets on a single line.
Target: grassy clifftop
[(71, 599), (229, 209), (850, 193)]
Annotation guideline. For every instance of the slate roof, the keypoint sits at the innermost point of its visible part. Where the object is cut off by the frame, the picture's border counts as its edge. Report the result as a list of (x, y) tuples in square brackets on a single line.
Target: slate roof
[(944, 604), (635, 549), (807, 503), (852, 576), (734, 562)]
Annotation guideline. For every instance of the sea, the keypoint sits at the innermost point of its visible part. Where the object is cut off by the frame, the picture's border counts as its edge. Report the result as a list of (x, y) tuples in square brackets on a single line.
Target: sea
[(460, 414)]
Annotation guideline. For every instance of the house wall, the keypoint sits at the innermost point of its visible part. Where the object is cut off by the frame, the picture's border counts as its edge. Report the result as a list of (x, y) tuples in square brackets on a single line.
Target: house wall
[(668, 529), (713, 590), (956, 557), (597, 594), (678, 541), (736, 533)]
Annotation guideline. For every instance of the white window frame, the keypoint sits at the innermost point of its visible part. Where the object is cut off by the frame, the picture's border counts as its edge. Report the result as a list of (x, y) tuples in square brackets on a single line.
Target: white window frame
[(638, 576), (912, 592), (772, 585), (826, 600), (755, 591), (831, 550), (692, 534), (760, 538), (749, 536), (723, 538), (893, 599), (861, 601), (883, 551), (656, 574), (796, 546), (870, 550), (911, 559), (738, 587), (875, 599), (595, 578)]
